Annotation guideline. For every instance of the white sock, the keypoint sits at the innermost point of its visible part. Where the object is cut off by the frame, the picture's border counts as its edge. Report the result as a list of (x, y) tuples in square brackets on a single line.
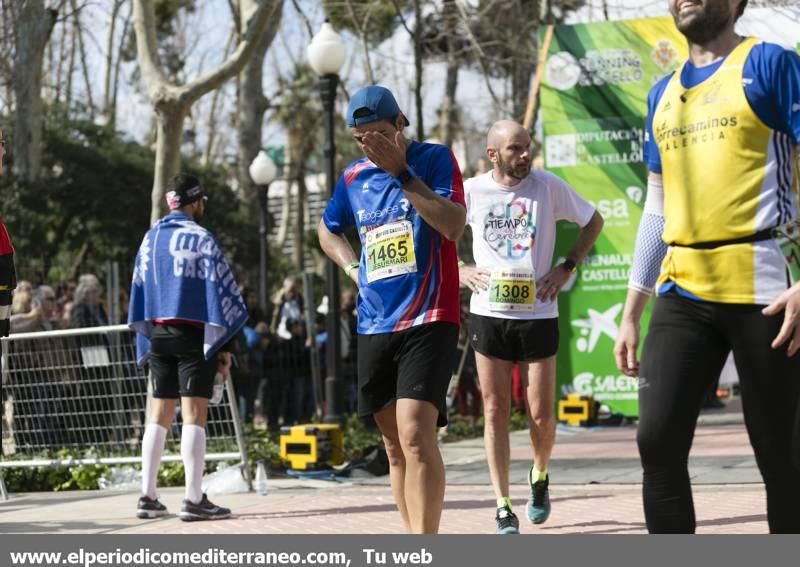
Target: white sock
[(152, 448), (193, 453)]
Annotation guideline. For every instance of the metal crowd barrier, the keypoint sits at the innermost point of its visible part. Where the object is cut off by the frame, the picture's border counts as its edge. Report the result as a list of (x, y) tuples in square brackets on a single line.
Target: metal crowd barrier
[(81, 390)]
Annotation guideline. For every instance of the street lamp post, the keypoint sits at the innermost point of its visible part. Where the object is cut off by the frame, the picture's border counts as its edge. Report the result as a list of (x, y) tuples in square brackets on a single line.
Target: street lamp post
[(326, 55), (263, 172)]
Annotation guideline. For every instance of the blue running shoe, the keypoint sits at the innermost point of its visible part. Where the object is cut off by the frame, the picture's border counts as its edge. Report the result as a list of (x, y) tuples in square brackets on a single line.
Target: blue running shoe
[(507, 522), (538, 508)]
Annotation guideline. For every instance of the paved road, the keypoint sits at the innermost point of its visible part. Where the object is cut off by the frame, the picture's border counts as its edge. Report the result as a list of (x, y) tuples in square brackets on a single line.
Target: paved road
[(595, 479)]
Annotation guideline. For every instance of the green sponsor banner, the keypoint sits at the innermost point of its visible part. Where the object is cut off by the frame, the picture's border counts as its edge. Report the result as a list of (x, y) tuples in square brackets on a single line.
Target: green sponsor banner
[(593, 102)]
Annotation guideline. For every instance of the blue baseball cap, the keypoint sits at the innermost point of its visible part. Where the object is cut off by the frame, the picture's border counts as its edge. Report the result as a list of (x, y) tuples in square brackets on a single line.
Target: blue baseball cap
[(372, 103)]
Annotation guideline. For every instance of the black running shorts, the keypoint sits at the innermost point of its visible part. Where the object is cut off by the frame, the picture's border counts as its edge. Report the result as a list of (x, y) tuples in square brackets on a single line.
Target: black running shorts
[(177, 365), (517, 340), (414, 364)]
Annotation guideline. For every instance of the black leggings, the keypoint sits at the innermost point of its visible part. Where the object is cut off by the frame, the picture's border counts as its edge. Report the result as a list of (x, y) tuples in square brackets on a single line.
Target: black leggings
[(684, 352)]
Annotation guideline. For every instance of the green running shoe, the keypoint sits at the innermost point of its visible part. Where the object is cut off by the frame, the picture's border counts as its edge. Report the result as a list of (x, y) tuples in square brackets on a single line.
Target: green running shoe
[(538, 508), (507, 522)]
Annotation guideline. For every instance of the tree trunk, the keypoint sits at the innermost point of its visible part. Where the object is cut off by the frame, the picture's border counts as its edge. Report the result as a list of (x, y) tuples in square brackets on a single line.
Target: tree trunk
[(520, 88), (8, 21), (168, 153), (35, 24), (448, 120), (70, 72), (523, 66), (112, 116), (108, 72), (418, 68), (252, 102), (62, 55), (286, 213), (84, 66), (211, 129), (48, 77), (300, 224)]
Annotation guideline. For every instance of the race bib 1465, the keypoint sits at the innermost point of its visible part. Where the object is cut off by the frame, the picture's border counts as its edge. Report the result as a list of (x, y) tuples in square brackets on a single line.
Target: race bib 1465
[(390, 251)]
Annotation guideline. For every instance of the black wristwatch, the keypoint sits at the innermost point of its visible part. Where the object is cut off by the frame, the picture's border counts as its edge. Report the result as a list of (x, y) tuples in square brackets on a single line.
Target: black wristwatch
[(406, 175), (570, 265)]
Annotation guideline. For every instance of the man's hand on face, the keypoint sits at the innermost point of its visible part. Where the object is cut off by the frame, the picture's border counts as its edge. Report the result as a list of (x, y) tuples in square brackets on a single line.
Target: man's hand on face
[(388, 154)]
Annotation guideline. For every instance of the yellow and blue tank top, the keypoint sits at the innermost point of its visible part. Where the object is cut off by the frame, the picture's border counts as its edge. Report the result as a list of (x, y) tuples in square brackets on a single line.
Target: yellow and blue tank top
[(727, 175)]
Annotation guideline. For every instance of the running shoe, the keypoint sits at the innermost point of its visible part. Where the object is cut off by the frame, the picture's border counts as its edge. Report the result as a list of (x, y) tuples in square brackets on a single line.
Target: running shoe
[(538, 508), (149, 508), (507, 522), (203, 510)]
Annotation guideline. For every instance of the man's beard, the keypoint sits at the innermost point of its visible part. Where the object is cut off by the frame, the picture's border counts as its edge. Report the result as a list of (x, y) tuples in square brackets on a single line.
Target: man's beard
[(519, 172), (702, 27)]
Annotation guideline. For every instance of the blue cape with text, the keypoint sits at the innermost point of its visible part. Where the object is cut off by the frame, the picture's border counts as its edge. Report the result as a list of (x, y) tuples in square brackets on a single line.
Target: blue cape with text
[(181, 273)]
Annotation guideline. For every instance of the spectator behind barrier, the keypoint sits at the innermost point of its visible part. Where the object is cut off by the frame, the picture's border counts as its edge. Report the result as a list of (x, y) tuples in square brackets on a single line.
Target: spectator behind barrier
[(288, 305), (42, 315), (88, 311)]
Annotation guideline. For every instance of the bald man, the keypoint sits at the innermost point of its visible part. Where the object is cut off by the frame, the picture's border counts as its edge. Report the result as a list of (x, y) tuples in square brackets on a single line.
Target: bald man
[(514, 313)]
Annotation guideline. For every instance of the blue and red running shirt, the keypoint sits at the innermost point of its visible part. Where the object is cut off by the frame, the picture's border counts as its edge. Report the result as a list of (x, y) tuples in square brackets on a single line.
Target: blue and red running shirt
[(368, 197)]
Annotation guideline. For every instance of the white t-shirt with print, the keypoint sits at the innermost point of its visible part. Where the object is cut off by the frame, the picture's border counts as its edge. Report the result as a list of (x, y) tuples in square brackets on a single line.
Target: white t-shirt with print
[(515, 227)]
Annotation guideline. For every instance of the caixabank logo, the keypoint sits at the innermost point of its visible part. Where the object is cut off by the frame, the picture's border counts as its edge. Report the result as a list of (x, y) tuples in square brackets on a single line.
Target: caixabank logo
[(595, 325)]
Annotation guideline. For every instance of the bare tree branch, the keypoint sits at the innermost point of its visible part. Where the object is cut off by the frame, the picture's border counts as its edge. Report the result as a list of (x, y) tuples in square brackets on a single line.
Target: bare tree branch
[(304, 18), (237, 16), (144, 23), (84, 64), (255, 27), (481, 57), (109, 57), (361, 28), (125, 31), (403, 21)]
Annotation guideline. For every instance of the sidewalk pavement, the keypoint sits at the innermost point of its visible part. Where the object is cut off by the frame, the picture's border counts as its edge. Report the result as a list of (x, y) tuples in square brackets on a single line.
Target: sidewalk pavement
[(595, 476)]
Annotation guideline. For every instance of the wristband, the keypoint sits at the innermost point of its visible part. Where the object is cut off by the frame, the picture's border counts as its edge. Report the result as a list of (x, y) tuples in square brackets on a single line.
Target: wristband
[(406, 175), (350, 267), (570, 265)]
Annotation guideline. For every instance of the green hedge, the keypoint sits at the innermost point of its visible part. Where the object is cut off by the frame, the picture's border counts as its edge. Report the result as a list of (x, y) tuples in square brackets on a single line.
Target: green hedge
[(261, 445)]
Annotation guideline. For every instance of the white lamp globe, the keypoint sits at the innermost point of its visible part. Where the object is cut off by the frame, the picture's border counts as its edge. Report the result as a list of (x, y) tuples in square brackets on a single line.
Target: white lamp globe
[(326, 51), (263, 170)]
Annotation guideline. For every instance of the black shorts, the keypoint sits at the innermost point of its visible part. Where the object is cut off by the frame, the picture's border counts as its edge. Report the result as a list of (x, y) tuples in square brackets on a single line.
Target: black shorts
[(414, 364), (517, 340), (177, 365)]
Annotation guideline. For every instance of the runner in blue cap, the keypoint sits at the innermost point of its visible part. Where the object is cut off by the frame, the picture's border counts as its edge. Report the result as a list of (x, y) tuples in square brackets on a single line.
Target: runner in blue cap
[(406, 201)]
